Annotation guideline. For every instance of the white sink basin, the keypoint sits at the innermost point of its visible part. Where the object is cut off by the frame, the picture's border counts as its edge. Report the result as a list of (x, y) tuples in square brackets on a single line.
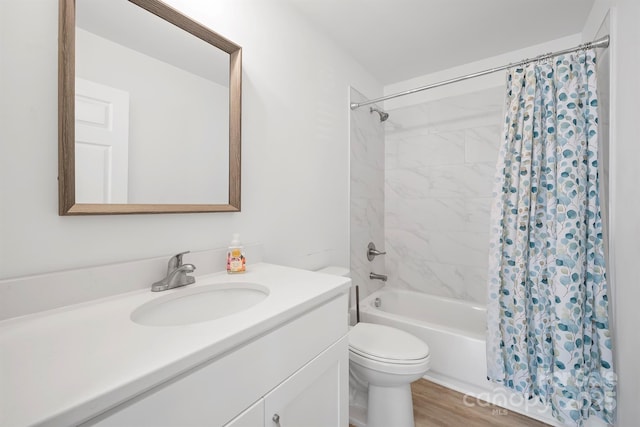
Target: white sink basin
[(199, 304)]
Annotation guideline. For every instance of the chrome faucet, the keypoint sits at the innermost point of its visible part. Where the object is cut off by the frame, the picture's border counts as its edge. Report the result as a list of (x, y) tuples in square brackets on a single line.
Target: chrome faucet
[(372, 252), (176, 274), (374, 276)]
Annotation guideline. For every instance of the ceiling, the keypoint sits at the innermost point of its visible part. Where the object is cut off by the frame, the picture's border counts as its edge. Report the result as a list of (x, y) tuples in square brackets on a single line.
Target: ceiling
[(396, 40)]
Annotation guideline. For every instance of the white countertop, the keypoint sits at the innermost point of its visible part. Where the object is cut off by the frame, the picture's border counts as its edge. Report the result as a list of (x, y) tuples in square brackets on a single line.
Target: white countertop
[(61, 367)]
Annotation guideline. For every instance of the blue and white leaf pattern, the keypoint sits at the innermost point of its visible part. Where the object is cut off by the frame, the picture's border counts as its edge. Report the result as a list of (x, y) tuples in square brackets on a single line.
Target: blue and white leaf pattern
[(548, 329)]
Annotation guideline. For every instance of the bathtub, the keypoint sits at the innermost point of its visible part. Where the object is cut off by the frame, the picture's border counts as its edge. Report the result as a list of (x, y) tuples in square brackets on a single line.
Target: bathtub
[(455, 333), (456, 326)]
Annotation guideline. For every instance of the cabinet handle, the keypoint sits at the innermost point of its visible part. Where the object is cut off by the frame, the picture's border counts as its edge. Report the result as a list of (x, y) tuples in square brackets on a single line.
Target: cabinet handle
[(276, 419)]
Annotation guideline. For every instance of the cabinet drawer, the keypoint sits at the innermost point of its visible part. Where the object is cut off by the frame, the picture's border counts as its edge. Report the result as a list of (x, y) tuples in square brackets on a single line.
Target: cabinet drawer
[(219, 389)]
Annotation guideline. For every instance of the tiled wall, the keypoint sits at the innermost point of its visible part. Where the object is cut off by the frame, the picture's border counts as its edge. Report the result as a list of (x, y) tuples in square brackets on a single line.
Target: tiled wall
[(440, 161), (366, 195)]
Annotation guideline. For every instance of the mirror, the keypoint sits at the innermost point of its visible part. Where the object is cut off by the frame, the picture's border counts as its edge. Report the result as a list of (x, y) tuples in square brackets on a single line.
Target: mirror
[(149, 111)]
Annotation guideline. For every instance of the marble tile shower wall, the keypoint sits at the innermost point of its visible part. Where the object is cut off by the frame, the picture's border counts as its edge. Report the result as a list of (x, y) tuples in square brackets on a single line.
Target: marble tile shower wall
[(366, 195), (440, 162)]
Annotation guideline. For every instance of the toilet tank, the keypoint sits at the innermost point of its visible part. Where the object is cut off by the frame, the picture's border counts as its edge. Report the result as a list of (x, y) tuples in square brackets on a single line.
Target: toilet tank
[(354, 308)]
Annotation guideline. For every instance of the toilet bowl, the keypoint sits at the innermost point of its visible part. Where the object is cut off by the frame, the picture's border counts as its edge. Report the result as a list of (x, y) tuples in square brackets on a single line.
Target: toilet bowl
[(383, 362), (386, 361)]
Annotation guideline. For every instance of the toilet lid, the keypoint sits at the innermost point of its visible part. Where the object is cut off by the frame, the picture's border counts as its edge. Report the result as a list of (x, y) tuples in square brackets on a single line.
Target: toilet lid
[(385, 342)]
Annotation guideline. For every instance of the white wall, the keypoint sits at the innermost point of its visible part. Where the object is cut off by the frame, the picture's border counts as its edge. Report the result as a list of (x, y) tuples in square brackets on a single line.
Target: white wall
[(624, 202), (295, 148), (178, 126)]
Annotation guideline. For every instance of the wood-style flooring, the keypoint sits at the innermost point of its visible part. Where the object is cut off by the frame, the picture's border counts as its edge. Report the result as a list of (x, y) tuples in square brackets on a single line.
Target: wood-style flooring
[(438, 406)]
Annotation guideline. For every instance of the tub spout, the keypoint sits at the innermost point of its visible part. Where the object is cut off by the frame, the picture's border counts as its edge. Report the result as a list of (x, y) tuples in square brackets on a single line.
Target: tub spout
[(375, 276)]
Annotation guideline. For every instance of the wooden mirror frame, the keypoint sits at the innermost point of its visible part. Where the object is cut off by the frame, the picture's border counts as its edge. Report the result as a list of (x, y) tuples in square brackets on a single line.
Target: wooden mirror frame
[(66, 116)]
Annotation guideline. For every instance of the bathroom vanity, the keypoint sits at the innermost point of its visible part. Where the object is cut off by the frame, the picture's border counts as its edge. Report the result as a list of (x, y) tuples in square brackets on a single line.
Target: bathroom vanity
[(282, 361)]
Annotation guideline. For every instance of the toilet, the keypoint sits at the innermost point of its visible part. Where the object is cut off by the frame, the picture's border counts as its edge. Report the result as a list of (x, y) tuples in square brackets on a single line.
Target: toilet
[(386, 361), (383, 362)]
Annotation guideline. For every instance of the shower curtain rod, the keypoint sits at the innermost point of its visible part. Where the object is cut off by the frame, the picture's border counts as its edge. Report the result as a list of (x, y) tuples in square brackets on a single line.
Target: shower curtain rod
[(602, 42)]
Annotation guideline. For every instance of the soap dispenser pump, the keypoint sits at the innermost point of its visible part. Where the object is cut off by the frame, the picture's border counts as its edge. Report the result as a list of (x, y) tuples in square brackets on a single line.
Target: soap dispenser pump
[(236, 261)]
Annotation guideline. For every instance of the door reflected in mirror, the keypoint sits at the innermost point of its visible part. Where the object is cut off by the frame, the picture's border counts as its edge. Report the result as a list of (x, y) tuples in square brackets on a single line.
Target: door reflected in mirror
[(156, 111)]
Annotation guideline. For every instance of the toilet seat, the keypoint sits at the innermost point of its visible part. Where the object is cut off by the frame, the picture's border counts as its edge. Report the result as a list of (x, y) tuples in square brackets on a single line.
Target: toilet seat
[(386, 344), (387, 349), (385, 360)]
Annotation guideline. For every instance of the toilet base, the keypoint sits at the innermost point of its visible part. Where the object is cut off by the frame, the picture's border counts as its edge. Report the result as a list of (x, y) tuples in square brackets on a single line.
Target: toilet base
[(390, 406)]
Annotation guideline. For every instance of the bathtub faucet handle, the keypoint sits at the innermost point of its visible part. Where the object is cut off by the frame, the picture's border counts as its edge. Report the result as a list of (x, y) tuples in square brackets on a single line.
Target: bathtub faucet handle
[(372, 252)]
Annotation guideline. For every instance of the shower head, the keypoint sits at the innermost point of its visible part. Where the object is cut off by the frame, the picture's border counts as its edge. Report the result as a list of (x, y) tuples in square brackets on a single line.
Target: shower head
[(383, 116)]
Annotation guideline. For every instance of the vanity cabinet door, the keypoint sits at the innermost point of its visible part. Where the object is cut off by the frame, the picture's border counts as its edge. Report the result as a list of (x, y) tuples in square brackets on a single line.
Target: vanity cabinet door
[(315, 396)]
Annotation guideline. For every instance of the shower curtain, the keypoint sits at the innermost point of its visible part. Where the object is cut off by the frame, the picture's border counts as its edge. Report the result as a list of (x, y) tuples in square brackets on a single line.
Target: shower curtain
[(548, 330)]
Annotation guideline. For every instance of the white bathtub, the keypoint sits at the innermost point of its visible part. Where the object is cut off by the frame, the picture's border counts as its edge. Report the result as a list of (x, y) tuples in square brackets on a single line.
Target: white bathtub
[(453, 329), (455, 333)]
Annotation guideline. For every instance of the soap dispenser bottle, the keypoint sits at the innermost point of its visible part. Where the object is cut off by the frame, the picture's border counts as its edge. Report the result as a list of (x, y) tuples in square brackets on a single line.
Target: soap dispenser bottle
[(236, 262)]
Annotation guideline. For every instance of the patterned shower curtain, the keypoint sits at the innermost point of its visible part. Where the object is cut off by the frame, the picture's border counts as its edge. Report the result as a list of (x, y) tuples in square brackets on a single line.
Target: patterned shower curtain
[(548, 329)]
